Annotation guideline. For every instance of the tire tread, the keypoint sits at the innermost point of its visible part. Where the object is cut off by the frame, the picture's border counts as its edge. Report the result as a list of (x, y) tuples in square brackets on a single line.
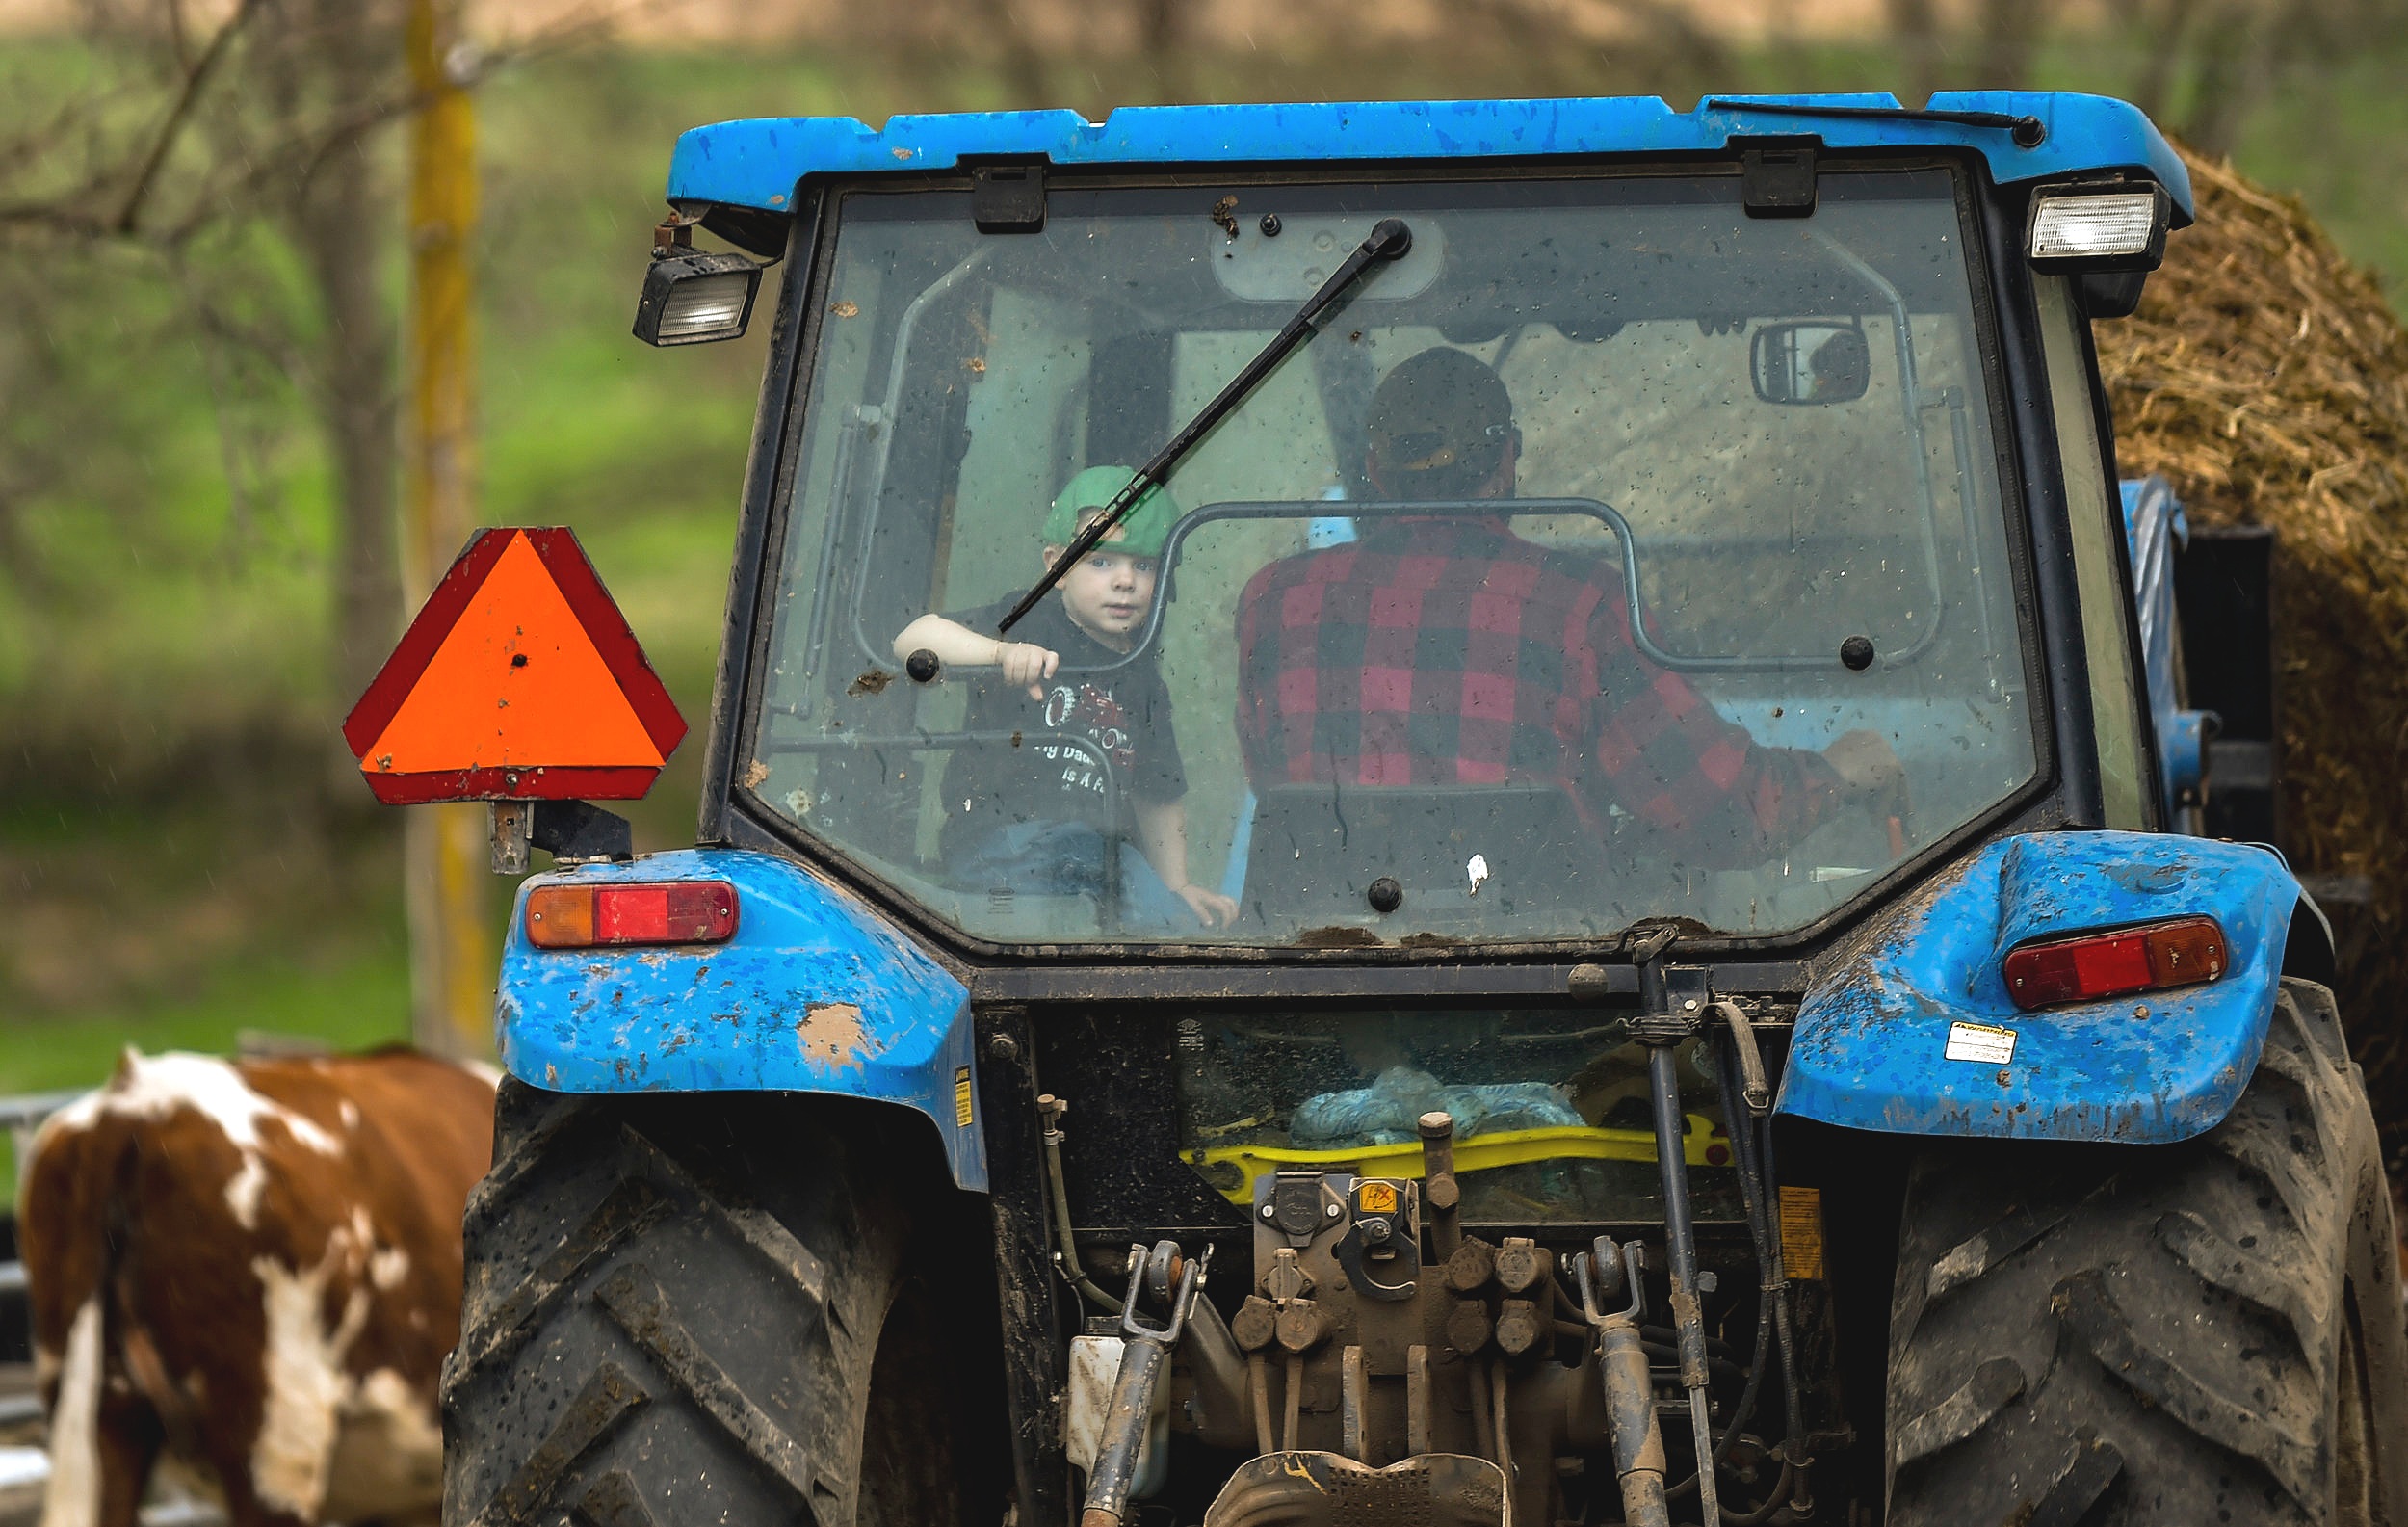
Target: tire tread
[(2141, 1333), (645, 1326)]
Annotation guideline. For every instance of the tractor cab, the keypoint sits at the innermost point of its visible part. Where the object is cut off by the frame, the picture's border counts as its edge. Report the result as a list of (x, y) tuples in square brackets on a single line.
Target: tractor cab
[(1417, 812), (1742, 462)]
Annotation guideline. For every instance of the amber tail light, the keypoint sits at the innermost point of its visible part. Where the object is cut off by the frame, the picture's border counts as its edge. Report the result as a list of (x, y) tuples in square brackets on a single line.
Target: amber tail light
[(2184, 952), (638, 912)]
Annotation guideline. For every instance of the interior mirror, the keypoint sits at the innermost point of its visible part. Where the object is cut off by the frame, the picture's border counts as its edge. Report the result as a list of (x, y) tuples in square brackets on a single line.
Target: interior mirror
[(1811, 363)]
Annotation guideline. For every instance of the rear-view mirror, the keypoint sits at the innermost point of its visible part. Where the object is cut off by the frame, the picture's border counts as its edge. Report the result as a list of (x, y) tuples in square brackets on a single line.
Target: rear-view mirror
[(1809, 362)]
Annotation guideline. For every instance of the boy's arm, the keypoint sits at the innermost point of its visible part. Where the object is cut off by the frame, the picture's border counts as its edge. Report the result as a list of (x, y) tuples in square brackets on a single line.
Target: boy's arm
[(1163, 838), (957, 645)]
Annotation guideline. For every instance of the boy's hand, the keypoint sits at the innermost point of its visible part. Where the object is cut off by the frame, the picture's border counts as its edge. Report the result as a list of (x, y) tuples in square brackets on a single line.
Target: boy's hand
[(1211, 909), (1027, 663)]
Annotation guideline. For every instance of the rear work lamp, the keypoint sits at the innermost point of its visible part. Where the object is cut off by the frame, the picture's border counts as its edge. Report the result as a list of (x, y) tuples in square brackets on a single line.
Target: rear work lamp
[(2184, 952), (693, 299), (631, 913), (2078, 229)]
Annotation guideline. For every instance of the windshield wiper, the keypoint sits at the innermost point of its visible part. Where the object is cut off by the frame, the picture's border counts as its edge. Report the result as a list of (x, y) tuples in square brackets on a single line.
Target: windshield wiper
[(1390, 239), (2027, 131)]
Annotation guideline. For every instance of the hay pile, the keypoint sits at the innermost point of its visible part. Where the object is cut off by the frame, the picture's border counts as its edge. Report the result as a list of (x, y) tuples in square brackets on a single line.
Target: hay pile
[(2268, 379)]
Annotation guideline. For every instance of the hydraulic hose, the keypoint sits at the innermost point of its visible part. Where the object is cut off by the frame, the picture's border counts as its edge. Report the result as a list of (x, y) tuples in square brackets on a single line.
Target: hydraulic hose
[(1681, 1240), (1768, 1178), (1050, 1109), (1751, 1145), (1759, 1234), (1754, 1090), (1754, 1200)]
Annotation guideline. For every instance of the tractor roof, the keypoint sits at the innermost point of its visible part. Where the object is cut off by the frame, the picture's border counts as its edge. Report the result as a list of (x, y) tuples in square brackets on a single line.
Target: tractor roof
[(756, 164)]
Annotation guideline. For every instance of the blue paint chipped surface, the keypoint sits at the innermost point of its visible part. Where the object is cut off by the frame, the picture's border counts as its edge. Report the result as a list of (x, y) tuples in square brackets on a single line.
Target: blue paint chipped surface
[(756, 162), (1870, 1049), (814, 994)]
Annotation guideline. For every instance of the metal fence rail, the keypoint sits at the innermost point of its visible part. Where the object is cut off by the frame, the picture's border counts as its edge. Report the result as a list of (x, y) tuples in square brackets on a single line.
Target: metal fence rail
[(20, 1115), (27, 1110)]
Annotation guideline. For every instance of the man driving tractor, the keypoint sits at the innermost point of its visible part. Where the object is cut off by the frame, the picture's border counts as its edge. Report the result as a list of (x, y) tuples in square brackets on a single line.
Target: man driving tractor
[(1447, 651)]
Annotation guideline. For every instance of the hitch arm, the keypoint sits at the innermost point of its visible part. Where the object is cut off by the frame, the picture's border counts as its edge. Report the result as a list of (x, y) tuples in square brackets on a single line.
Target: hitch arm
[(1630, 1426), (1144, 1357)]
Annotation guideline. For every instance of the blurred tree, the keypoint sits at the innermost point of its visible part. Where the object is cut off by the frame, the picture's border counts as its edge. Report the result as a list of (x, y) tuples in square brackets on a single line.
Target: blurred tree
[(224, 193), (2007, 34), (1916, 26), (1159, 37), (2218, 60), (236, 171), (336, 206)]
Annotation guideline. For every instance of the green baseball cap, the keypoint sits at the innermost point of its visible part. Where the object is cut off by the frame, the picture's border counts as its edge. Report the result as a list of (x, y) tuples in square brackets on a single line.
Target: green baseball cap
[(1142, 530)]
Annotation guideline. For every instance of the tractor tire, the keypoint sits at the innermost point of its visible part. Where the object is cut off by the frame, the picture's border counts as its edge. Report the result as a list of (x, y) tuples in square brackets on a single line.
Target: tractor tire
[(714, 1308), (2206, 1333)]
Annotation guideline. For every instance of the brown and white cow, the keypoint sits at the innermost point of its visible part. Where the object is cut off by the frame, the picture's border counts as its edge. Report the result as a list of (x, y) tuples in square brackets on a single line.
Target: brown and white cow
[(255, 1270)]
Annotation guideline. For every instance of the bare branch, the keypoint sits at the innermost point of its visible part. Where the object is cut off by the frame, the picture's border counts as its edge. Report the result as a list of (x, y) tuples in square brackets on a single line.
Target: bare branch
[(195, 78)]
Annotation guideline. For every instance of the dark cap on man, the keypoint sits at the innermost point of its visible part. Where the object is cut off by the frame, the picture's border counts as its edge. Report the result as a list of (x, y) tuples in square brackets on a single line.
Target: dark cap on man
[(1438, 426)]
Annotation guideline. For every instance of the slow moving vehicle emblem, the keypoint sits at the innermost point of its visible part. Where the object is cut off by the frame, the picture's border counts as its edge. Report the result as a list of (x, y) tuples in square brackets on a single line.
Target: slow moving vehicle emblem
[(518, 681)]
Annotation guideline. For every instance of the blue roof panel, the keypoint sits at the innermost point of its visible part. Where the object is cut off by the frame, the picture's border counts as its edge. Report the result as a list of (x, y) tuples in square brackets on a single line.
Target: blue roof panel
[(756, 162)]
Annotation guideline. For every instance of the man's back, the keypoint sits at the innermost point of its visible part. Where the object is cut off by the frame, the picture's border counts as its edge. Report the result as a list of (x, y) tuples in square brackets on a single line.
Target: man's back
[(1449, 651), (1443, 651), (1435, 651)]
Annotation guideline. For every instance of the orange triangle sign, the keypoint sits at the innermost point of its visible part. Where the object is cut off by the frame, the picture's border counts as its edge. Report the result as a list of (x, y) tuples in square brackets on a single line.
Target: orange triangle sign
[(520, 679)]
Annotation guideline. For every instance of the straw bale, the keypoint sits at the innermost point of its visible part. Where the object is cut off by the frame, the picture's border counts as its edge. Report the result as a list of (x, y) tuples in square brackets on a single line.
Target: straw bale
[(2268, 379)]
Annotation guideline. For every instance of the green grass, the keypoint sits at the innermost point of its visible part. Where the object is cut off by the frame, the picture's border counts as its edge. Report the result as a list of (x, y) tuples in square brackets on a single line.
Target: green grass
[(353, 1003), (357, 1001)]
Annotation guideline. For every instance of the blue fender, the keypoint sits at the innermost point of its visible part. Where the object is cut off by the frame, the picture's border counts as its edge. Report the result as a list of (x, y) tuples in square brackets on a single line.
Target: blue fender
[(1872, 1045), (815, 993)]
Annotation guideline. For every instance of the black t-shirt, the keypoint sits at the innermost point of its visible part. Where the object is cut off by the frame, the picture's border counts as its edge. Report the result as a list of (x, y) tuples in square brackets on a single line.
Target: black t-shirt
[(1123, 709)]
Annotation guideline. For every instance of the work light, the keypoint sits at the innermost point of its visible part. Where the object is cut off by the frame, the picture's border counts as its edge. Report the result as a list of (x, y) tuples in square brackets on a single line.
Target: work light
[(694, 299), (2122, 228)]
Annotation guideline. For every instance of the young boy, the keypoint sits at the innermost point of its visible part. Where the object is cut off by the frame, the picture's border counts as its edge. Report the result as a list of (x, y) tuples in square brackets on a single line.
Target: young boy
[(1039, 817)]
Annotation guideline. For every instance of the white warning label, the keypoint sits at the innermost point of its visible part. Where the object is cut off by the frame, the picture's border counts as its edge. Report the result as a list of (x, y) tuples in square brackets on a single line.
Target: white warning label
[(1981, 1041)]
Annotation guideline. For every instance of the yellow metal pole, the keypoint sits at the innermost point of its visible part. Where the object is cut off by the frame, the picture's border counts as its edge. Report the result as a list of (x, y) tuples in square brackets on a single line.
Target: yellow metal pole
[(452, 946)]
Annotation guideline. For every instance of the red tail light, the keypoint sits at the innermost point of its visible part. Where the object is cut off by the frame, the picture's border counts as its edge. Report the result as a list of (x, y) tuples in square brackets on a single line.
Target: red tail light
[(638, 912), (2181, 953)]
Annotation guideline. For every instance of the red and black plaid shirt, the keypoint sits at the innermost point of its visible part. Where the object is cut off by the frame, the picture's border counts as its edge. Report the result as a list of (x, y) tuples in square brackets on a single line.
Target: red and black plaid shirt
[(1452, 651)]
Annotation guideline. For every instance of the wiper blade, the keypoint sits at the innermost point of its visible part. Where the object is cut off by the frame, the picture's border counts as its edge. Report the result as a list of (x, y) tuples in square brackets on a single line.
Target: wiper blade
[(2027, 131), (1389, 240)]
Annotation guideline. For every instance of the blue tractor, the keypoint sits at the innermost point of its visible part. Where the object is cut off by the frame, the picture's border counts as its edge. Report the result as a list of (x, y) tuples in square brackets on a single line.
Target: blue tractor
[(1431, 812)]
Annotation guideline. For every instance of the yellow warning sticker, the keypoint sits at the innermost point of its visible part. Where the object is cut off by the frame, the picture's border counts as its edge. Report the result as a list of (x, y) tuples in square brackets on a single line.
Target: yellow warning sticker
[(1801, 1232), (1376, 1198), (961, 1096)]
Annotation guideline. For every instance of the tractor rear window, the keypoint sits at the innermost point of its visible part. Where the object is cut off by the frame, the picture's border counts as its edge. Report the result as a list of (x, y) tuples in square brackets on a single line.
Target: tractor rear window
[(1612, 555)]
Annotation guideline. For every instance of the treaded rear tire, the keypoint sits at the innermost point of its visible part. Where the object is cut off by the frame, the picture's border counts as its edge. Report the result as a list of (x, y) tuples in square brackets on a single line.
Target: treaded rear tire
[(713, 1308), (2201, 1333)]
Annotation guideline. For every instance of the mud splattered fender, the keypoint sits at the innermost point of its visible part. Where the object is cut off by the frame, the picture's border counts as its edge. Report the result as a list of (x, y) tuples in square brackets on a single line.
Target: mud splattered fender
[(815, 993), (1875, 1032)]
